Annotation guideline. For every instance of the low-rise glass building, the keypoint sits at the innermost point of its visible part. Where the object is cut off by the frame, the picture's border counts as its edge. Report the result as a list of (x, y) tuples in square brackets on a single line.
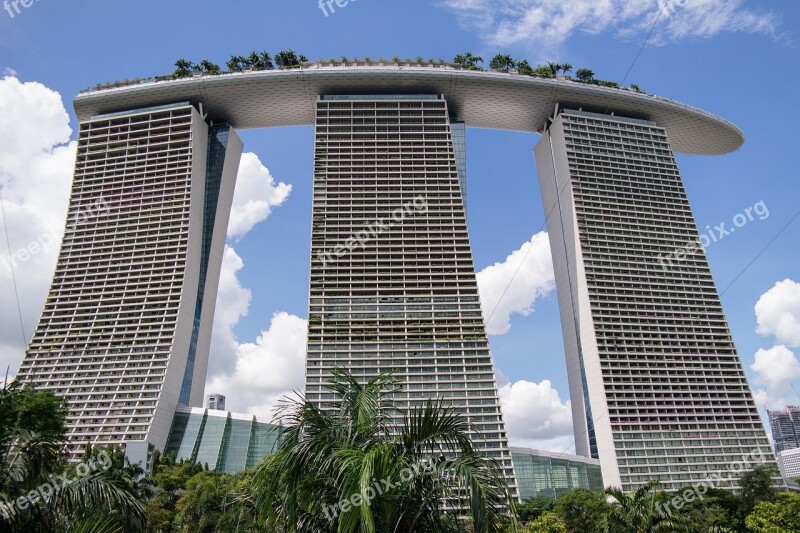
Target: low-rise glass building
[(227, 442), (231, 442), (548, 474)]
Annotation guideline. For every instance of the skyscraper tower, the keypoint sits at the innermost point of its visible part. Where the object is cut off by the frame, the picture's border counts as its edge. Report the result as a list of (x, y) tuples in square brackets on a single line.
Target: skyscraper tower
[(392, 279), (785, 428), (126, 327), (658, 390)]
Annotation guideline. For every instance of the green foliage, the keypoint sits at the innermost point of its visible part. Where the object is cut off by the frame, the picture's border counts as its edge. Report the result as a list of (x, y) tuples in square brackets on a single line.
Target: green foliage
[(583, 510), (184, 68), (543, 71), (548, 522), (208, 67), (782, 514), (533, 508), (718, 508), (38, 491), (467, 61), (757, 486), (325, 474), (524, 68), (502, 63), (585, 75), (640, 511), (287, 59)]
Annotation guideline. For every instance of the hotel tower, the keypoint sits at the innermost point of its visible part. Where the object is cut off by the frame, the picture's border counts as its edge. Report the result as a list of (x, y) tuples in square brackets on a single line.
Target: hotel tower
[(657, 388), (125, 331), (392, 279)]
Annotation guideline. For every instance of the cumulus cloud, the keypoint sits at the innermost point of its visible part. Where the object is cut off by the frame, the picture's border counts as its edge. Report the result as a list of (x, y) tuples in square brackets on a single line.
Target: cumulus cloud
[(255, 196), (547, 24), (775, 370), (233, 303), (535, 416), (778, 312), (9, 72), (266, 370), (36, 161), (534, 278)]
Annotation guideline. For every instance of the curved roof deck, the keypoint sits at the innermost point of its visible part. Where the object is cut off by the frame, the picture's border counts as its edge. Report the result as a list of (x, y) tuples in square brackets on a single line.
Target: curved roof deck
[(496, 100)]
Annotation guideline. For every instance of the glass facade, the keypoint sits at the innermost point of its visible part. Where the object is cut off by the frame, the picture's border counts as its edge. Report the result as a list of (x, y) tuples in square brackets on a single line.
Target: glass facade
[(548, 474), (225, 441)]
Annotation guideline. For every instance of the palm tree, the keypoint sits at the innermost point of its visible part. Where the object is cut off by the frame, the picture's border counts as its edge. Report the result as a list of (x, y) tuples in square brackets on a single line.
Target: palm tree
[(585, 75), (265, 61), (236, 63), (207, 67), (347, 468), (566, 68), (554, 68), (286, 59), (640, 511), (468, 61), (31, 443), (184, 68), (523, 67), (502, 63)]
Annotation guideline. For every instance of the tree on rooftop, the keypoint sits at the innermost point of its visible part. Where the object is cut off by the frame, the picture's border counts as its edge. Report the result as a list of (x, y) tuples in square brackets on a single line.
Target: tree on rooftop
[(502, 63), (523, 67), (287, 59), (184, 68), (585, 74), (209, 67), (236, 63), (468, 61)]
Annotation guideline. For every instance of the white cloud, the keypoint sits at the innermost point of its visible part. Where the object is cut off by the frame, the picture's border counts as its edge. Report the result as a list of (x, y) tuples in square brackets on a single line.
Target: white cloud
[(778, 312), (534, 279), (36, 161), (535, 416), (547, 24), (9, 72), (233, 302), (255, 196), (267, 370), (775, 370)]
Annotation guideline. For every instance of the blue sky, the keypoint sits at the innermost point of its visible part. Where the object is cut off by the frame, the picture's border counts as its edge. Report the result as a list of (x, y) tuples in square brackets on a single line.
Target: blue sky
[(737, 59)]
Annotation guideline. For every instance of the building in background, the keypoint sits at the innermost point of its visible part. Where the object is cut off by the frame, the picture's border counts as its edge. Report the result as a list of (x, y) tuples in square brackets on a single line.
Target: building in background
[(216, 402), (785, 428), (789, 461), (125, 331), (548, 474), (227, 442), (658, 390), (393, 284)]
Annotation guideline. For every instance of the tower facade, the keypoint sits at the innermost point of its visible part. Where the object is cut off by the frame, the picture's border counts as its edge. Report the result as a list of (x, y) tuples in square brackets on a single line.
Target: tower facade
[(392, 278), (658, 390), (785, 428), (125, 331)]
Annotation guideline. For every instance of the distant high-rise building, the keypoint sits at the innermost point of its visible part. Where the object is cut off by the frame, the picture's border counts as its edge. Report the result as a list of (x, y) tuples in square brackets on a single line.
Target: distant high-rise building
[(393, 284), (216, 402), (125, 331), (789, 461), (785, 427), (657, 388)]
